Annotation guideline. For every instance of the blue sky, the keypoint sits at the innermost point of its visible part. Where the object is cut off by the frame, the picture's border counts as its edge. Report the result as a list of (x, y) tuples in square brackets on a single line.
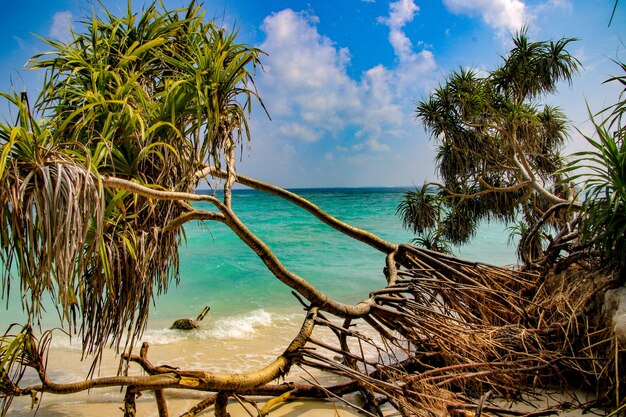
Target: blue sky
[(341, 77)]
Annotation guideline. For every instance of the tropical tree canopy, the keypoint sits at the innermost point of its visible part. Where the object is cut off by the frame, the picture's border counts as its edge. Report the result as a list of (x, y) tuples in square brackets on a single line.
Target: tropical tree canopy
[(150, 99), (497, 146)]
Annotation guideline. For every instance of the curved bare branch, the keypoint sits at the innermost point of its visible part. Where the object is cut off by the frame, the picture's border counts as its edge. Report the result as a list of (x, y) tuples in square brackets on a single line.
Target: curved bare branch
[(540, 223), (193, 215), (294, 281), (522, 164), (354, 232)]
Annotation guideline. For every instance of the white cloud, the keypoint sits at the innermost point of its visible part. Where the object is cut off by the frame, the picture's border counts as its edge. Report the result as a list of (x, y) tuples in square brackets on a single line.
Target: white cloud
[(508, 15), (376, 146), (412, 64), (298, 131), (61, 26), (556, 4), (401, 12), (313, 102), (305, 74)]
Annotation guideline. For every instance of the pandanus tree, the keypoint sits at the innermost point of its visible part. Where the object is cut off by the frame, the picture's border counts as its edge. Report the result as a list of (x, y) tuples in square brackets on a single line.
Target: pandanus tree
[(98, 178), (603, 183), (498, 148), (148, 100)]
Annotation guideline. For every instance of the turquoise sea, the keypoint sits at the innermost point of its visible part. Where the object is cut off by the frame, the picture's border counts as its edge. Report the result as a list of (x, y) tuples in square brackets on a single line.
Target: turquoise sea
[(218, 270), (253, 316)]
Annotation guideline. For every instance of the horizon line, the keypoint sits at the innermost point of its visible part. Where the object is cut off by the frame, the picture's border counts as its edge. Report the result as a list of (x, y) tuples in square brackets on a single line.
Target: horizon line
[(323, 187)]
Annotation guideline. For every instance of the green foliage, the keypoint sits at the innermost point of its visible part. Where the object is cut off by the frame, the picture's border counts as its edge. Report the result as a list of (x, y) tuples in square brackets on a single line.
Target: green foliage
[(497, 148), (420, 211), (536, 242), (604, 181), (18, 351), (149, 97), (430, 240), (533, 69)]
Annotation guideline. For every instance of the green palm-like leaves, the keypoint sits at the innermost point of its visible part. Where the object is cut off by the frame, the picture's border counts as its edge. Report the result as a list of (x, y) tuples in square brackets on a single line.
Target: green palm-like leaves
[(532, 69), (18, 351), (419, 209), (604, 183), (483, 127), (421, 212), (433, 241), (147, 97)]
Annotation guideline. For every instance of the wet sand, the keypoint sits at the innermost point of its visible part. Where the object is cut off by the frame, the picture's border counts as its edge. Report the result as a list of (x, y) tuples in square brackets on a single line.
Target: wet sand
[(91, 406)]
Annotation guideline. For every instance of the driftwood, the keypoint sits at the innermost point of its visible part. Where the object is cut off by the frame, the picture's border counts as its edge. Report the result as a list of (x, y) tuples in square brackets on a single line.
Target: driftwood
[(190, 324)]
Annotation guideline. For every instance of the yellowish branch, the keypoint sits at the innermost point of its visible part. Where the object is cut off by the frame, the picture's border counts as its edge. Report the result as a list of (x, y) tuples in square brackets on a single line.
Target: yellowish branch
[(272, 402), (148, 192), (193, 215)]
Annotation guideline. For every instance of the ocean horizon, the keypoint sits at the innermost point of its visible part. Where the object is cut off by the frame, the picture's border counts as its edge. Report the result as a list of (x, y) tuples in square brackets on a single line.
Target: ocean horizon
[(218, 270)]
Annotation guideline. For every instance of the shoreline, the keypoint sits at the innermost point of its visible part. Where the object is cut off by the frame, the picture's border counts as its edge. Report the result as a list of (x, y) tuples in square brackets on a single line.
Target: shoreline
[(189, 352), (146, 407), (217, 355)]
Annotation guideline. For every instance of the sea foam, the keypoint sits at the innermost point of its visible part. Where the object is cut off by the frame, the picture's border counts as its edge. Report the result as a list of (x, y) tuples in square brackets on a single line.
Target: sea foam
[(240, 326)]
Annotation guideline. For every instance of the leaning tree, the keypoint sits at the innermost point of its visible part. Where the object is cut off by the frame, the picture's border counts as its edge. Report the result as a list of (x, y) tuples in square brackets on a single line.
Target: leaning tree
[(497, 151), (97, 180)]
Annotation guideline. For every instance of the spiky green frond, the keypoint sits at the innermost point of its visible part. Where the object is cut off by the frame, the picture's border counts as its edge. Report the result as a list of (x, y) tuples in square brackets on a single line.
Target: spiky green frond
[(17, 352), (147, 97), (533, 69), (604, 186), (418, 209), (459, 226), (433, 241)]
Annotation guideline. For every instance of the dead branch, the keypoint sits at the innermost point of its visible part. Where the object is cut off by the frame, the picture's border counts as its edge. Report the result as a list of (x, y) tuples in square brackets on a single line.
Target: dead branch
[(354, 232)]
